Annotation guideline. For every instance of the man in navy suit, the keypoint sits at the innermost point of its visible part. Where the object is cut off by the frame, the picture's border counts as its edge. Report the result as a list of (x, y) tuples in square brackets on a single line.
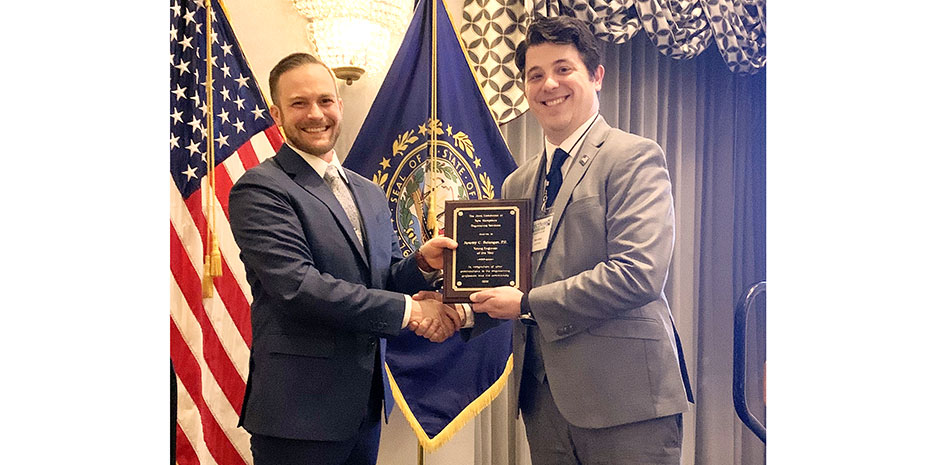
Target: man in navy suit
[(329, 284)]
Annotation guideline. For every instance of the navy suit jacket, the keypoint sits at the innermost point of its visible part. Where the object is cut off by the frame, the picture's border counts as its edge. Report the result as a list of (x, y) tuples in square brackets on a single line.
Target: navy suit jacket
[(322, 302)]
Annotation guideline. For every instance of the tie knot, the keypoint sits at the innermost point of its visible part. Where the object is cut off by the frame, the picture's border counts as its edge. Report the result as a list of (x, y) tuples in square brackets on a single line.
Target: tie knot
[(558, 159), (331, 173)]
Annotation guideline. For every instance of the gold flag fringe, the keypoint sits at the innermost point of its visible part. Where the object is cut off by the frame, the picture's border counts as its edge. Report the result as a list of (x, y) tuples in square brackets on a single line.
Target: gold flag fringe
[(467, 414)]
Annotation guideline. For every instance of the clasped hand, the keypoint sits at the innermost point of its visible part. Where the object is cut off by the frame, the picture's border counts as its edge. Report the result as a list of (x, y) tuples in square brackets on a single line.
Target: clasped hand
[(432, 319)]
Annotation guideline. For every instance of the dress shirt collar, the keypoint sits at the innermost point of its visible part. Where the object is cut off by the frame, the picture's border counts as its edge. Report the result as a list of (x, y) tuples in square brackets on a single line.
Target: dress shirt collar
[(319, 164), (571, 145)]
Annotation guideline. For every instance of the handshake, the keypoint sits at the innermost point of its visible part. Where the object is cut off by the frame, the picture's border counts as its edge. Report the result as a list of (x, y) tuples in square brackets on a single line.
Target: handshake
[(432, 319)]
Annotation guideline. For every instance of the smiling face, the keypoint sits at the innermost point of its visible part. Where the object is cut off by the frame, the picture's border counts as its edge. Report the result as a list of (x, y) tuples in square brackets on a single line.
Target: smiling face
[(560, 90), (308, 109)]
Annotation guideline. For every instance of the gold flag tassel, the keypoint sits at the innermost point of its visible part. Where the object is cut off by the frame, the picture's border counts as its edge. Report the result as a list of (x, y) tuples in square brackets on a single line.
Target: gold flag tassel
[(208, 288), (212, 266)]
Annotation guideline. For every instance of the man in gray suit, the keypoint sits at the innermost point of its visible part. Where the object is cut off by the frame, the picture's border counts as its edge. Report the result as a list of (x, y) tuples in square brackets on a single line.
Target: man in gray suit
[(601, 378)]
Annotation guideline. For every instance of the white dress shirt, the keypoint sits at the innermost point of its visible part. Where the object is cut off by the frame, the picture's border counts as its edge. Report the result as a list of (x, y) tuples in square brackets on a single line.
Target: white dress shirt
[(571, 145)]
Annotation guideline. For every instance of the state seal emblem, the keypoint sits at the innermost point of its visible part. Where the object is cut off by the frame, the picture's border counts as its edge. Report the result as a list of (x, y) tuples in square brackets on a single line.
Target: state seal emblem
[(424, 170)]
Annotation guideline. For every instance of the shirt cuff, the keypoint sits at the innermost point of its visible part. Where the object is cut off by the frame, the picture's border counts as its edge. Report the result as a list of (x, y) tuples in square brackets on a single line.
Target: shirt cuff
[(407, 318), (467, 315), (431, 276)]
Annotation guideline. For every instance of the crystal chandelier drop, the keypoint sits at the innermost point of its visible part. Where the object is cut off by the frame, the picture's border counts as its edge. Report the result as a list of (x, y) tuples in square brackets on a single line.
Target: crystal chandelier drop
[(353, 36)]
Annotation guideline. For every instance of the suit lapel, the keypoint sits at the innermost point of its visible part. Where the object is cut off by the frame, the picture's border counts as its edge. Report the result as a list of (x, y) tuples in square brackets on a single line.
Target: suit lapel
[(532, 192), (306, 177), (531, 188), (592, 144)]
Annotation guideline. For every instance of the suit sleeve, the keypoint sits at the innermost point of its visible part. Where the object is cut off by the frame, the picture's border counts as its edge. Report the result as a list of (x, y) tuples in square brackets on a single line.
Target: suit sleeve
[(640, 228), (276, 252), (404, 275)]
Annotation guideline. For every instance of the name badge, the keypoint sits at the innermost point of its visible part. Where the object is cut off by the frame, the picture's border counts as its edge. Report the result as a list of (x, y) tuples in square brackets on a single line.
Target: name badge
[(540, 231)]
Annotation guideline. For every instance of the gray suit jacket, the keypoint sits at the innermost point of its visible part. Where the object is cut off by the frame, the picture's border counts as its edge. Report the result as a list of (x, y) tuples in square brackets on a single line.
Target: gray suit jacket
[(607, 342)]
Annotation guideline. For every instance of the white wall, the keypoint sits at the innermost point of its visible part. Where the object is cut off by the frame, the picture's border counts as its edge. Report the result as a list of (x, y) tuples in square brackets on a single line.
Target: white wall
[(269, 30)]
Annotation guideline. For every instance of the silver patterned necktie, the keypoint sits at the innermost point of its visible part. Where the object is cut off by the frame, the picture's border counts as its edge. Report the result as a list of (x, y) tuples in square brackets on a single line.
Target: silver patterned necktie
[(342, 193)]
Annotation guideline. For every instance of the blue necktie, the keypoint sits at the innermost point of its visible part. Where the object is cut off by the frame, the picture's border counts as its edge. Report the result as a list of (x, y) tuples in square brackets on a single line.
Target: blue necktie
[(554, 176)]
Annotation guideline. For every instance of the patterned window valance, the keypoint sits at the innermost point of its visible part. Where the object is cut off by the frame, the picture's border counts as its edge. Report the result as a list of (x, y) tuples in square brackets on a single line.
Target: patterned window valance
[(740, 32), (680, 29)]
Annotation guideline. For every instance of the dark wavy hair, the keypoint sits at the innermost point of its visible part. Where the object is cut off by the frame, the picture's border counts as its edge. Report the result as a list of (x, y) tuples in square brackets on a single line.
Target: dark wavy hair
[(561, 30)]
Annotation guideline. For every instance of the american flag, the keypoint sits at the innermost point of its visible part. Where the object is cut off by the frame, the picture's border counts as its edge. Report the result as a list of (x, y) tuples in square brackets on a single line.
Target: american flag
[(210, 337)]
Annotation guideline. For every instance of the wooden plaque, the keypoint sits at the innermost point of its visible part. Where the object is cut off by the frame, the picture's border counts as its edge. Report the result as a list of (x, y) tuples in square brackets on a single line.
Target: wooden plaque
[(494, 248)]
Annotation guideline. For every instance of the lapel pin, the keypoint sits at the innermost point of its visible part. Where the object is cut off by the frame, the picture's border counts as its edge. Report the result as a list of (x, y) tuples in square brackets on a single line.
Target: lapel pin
[(584, 159)]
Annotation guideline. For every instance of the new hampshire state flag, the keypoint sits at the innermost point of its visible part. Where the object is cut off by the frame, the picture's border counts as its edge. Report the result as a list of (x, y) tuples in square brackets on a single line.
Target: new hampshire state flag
[(430, 137)]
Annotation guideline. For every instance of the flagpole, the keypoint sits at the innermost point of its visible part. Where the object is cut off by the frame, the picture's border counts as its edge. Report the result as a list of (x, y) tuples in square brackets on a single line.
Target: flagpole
[(431, 220), (213, 259)]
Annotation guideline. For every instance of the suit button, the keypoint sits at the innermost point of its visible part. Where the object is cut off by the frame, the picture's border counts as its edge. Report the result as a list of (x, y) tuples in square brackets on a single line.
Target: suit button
[(564, 330)]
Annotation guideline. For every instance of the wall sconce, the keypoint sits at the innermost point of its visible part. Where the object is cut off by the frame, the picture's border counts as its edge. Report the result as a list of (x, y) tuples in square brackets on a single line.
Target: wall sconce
[(353, 36)]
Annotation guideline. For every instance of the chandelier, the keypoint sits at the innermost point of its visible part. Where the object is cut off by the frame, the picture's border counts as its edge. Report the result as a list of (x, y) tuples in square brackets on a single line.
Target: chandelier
[(353, 36)]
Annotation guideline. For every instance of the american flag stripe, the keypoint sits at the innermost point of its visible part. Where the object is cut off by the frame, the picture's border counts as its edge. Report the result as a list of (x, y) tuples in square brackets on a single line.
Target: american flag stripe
[(216, 358), (233, 293), (202, 430), (223, 185), (194, 205), (235, 166), (192, 419), (185, 454), (234, 279), (273, 135), (182, 221), (232, 286), (230, 336), (189, 380), (190, 209), (263, 146), (248, 156), (211, 396), (233, 308)]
